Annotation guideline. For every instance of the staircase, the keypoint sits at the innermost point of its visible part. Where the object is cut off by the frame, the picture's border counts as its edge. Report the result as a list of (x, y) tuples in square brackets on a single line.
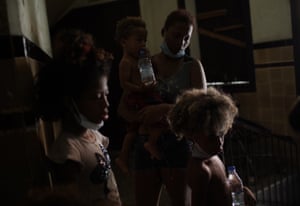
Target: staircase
[(268, 163)]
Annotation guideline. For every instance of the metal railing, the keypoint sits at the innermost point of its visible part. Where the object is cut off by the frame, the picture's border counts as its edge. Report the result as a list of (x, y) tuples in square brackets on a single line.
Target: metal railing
[(266, 162)]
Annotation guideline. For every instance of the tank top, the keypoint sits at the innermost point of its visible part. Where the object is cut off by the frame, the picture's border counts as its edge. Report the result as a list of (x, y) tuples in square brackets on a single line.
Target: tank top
[(170, 87)]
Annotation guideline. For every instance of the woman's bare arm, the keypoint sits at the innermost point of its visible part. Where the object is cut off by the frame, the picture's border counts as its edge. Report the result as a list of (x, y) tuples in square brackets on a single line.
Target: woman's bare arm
[(197, 75)]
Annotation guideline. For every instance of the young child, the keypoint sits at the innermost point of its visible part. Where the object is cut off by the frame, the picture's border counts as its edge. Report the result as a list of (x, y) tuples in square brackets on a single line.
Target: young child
[(73, 89), (131, 33), (205, 116)]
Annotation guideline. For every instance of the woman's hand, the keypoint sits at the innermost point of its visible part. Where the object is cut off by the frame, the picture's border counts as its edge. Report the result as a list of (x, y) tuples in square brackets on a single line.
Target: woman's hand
[(149, 87), (154, 113)]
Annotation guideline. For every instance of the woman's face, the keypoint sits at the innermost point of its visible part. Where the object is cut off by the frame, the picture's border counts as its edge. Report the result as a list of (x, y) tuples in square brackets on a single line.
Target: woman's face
[(93, 103), (178, 36)]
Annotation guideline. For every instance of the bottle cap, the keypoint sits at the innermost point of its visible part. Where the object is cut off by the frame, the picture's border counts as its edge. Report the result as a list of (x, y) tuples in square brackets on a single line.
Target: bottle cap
[(231, 168), (142, 52)]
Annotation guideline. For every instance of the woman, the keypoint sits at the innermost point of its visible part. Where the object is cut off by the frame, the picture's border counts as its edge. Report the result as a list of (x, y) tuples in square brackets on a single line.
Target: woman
[(176, 72)]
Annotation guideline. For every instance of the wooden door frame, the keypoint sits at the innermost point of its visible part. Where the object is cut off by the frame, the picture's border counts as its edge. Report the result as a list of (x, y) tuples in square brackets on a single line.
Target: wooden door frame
[(295, 14)]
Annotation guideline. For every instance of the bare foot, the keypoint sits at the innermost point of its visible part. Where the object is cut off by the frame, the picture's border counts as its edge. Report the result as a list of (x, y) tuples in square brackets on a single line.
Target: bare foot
[(152, 149), (123, 165)]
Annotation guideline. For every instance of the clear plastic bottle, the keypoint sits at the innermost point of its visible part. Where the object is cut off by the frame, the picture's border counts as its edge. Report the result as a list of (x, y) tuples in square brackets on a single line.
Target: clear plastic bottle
[(236, 186), (145, 67)]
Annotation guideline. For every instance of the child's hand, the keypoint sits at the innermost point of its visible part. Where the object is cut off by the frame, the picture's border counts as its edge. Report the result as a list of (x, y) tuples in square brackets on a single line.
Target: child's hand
[(103, 56), (249, 197)]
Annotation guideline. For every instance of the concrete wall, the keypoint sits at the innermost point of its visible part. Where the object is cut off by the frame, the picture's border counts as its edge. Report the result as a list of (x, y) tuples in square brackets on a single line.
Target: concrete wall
[(29, 18), (154, 13), (271, 20)]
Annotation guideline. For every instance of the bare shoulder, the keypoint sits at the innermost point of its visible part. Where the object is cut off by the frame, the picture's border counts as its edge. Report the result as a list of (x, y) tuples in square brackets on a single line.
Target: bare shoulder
[(125, 63), (196, 63), (197, 74), (219, 188), (218, 176), (199, 169), (217, 167)]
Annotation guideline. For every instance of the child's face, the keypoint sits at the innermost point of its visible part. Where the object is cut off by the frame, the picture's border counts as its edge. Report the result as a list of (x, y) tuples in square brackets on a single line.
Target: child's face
[(84, 44), (178, 36), (212, 143), (93, 103), (134, 42)]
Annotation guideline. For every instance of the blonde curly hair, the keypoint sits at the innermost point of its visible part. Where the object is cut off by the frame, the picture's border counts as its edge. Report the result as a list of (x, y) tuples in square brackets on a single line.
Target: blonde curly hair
[(199, 110)]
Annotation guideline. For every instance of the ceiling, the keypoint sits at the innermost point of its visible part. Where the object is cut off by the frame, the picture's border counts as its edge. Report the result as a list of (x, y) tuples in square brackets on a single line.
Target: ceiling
[(56, 9)]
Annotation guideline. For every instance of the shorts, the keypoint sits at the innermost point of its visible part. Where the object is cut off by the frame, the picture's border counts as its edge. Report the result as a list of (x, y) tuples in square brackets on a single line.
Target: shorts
[(174, 153)]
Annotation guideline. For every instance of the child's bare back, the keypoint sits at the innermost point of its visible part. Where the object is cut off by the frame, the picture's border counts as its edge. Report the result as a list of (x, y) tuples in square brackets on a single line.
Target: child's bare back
[(208, 180)]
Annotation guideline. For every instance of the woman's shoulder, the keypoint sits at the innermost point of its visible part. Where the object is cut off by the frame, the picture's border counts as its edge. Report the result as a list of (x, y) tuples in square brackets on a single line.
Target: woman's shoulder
[(192, 60), (188, 58)]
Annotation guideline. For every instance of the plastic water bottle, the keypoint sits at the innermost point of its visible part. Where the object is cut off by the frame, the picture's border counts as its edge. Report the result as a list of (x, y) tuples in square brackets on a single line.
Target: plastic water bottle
[(145, 67), (236, 186)]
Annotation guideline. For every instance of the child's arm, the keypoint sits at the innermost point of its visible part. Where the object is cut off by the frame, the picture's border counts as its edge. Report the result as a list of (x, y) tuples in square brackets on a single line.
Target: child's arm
[(125, 68), (249, 197), (198, 179)]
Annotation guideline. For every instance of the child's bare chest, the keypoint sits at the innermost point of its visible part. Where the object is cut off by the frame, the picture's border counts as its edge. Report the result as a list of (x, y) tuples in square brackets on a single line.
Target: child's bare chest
[(135, 76)]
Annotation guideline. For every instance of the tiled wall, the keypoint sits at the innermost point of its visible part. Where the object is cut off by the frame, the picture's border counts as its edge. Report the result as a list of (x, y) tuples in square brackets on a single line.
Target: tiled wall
[(275, 89)]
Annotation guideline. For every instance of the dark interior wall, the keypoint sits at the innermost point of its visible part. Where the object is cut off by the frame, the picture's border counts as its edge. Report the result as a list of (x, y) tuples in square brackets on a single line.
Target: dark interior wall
[(100, 20), (226, 43), (295, 9)]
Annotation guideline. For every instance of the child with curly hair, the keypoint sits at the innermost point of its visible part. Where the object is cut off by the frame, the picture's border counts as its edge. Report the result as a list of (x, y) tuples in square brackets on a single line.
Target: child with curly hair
[(131, 33), (73, 89), (204, 117)]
